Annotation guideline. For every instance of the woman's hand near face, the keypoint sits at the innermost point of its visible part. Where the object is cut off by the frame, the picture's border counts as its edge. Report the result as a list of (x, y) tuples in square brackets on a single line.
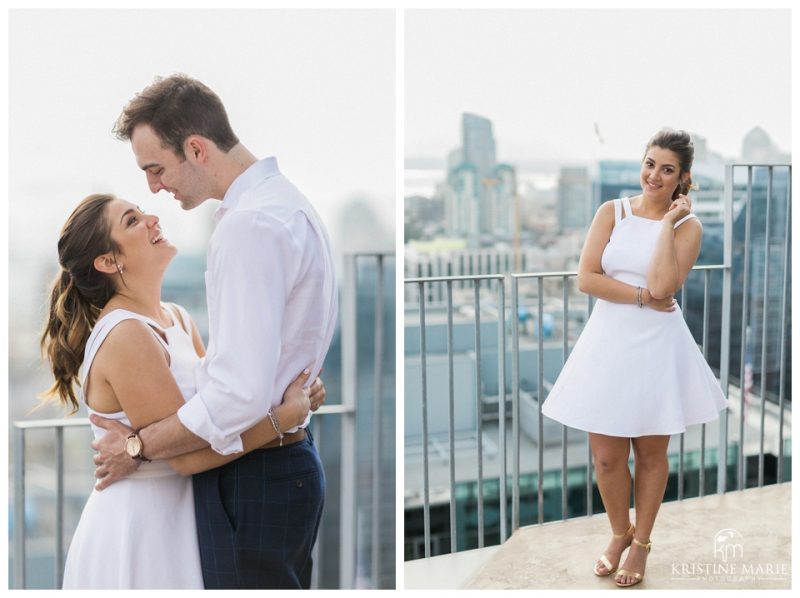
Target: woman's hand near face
[(679, 208)]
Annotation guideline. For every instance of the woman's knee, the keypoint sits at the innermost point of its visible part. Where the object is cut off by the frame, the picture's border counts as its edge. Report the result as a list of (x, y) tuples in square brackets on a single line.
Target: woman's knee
[(610, 462), (650, 459), (650, 453)]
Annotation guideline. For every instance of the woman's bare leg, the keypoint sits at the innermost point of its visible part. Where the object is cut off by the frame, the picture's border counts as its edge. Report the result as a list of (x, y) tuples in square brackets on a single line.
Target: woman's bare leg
[(610, 455), (650, 480)]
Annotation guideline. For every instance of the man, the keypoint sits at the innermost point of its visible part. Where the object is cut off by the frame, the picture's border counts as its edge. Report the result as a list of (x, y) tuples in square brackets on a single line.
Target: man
[(271, 306)]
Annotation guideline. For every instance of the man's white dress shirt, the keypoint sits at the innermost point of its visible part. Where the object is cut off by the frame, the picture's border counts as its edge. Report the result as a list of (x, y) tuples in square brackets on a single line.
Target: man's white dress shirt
[(272, 304)]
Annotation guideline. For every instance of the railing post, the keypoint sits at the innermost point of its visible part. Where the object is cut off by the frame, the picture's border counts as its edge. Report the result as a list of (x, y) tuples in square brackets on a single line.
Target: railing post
[(19, 508), (479, 408), (377, 420), (565, 349), (706, 275), (426, 507), (782, 379), (501, 389), (347, 562), (59, 556), (451, 410), (725, 340), (764, 303), (515, 403), (540, 400)]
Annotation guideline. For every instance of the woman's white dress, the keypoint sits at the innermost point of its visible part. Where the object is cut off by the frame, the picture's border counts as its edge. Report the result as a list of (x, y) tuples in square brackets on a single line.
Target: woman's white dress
[(634, 371), (139, 532)]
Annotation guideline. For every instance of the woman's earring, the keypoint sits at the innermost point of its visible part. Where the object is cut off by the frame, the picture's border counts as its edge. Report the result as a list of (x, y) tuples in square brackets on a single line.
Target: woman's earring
[(119, 268)]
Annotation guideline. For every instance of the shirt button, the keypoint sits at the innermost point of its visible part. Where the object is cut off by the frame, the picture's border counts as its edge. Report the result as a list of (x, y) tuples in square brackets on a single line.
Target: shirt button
[(299, 483)]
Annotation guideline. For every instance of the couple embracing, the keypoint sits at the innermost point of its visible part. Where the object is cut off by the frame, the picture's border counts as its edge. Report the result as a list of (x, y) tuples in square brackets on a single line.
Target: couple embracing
[(163, 407)]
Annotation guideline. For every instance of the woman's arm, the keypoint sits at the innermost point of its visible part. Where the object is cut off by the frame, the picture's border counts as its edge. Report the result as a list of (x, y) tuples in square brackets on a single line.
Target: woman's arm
[(197, 341), (676, 250), (135, 365), (592, 280)]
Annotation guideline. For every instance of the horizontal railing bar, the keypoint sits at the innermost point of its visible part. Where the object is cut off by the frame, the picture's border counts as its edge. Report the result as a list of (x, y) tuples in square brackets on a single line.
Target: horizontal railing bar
[(711, 267), (52, 423), (523, 275), (454, 278), (761, 164), (43, 424), (543, 274)]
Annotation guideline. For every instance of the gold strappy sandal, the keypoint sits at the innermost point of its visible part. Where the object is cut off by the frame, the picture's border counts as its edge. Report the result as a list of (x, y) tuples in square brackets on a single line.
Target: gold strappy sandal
[(604, 559), (636, 575)]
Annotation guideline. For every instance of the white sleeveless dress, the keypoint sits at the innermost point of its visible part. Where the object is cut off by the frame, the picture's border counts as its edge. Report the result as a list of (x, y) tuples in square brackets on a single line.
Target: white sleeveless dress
[(634, 371), (139, 532)]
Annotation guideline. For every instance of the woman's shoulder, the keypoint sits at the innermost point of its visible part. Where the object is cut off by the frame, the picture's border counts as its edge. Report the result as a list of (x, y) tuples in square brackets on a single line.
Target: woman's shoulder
[(689, 225), (123, 331), (605, 212)]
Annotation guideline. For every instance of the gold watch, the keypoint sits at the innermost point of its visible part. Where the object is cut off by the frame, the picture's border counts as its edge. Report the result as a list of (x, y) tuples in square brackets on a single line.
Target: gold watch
[(135, 448)]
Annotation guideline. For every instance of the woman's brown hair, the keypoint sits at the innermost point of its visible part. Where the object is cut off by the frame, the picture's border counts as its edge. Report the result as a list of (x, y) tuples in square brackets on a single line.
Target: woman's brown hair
[(78, 294), (680, 144)]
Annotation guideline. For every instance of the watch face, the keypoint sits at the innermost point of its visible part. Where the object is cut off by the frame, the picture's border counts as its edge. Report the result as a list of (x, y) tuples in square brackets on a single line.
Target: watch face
[(133, 446)]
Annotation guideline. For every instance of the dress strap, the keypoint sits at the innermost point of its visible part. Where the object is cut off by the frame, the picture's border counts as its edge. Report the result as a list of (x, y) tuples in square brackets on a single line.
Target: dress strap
[(617, 211), (682, 220), (181, 316), (626, 204)]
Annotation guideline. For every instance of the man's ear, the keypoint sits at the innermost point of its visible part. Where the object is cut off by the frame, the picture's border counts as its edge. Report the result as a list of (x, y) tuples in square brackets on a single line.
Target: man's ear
[(196, 148), (106, 263)]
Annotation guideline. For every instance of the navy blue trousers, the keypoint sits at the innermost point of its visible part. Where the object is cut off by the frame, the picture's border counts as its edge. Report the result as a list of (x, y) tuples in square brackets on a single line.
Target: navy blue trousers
[(258, 517)]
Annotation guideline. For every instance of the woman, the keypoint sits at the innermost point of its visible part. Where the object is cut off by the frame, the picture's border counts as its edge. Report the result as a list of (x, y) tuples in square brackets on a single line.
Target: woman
[(133, 359), (635, 375)]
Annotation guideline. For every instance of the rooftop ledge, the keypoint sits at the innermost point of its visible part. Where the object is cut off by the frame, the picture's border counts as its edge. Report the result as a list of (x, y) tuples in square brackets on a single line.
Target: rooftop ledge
[(755, 552)]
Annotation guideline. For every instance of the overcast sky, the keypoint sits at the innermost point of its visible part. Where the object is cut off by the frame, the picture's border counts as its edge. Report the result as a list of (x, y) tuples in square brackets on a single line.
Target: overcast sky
[(296, 84), (545, 77)]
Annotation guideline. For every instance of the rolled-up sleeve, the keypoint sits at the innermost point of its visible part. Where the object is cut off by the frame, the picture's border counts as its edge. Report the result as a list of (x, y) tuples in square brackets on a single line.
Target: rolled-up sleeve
[(252, 265)]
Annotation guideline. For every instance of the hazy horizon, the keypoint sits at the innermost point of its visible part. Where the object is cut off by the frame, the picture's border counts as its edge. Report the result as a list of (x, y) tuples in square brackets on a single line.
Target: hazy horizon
[(550, 80)]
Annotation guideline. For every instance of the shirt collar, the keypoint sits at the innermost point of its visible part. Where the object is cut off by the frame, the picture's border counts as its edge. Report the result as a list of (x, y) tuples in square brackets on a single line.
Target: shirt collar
[(257, 172)]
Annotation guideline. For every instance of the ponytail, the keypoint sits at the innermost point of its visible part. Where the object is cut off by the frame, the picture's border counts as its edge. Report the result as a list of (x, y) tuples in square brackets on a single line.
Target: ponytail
[(67, 329), (77, 296), (684, 187)]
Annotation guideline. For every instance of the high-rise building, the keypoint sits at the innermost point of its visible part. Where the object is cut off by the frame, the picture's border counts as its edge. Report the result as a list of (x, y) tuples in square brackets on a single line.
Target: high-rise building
[(501, 189), (479, 198), (462, 201), (574, 199), (758, 147), (615, 178), (477, 143)]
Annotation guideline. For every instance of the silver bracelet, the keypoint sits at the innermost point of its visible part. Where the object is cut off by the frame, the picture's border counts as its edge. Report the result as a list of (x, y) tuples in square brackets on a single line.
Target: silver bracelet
[(276, 424), (639, 297)]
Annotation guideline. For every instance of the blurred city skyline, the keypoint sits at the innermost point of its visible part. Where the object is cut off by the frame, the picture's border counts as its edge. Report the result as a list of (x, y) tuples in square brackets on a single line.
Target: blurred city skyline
[(577, 86)]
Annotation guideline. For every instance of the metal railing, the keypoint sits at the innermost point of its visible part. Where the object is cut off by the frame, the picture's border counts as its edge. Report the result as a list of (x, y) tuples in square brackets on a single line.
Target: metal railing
[(438, 287), (347, 411)]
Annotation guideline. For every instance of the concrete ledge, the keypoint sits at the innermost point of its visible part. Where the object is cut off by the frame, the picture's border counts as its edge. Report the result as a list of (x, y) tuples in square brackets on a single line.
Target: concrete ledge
[(447, 571), (755, 554)]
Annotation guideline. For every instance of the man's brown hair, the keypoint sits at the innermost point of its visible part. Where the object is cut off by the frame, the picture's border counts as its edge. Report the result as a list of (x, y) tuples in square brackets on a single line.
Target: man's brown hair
[(176, 107)]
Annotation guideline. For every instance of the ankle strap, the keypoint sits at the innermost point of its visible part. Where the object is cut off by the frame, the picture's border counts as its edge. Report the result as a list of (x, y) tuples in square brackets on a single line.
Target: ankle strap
[(630, 530), (643, 544)]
